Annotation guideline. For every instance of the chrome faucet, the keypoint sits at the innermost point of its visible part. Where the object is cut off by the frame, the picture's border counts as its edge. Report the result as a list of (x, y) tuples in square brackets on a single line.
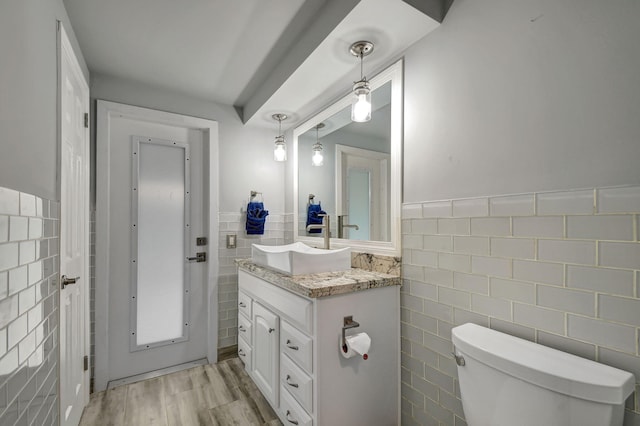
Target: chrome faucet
[(326, 221), (342, 225)]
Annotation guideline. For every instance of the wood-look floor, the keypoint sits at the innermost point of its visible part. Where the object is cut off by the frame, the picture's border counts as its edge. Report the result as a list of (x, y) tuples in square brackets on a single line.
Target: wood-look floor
[(215, 394)]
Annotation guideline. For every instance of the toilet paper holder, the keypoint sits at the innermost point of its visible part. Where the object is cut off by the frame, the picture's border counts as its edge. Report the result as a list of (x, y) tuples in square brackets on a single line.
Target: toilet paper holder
[(348, 323)]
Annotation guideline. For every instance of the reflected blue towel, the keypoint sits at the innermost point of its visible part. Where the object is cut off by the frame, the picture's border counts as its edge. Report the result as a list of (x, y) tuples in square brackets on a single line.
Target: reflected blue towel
[(256, 217), (313, 210)]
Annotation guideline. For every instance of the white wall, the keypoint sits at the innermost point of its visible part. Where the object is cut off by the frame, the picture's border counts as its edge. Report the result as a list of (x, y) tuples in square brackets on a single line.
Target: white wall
[(246, 154), (520, 97), (28, 94), (523, 95)]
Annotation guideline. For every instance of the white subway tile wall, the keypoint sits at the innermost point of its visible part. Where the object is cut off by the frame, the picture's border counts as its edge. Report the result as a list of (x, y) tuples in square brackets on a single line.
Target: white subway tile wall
[(29, 263), (277, 231), (571, 202), (558, 268)]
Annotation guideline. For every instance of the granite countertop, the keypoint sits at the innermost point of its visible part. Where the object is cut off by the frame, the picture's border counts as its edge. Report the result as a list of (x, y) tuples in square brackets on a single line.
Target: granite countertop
[(324, 283)]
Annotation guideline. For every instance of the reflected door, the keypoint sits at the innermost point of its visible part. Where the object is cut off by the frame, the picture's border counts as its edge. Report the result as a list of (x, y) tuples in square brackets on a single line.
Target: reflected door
[(362, 193), (359, 204), (157, 301)]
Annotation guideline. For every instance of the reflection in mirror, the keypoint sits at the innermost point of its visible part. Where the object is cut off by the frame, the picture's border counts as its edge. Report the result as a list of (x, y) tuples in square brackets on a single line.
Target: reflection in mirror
[(358, 184), (352, 186)]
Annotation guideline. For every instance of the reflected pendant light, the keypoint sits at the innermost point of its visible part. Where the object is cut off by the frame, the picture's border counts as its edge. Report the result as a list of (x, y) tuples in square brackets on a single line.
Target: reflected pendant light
[(280, 148), (361, 104), (317, 159)]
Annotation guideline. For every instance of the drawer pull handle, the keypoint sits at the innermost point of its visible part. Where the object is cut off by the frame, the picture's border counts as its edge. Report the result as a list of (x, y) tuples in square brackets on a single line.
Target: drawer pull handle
[(271, 330), (290, 346), (242, 305), (293, 385), (295, 422), (241, 328), (241, 352)]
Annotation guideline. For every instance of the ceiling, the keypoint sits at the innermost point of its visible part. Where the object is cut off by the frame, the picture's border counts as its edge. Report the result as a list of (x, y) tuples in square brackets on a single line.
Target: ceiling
[(261, 56)]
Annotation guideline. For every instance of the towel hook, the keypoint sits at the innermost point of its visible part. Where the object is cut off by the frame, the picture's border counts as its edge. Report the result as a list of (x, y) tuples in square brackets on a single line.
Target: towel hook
[(311, 197), (254, 194)]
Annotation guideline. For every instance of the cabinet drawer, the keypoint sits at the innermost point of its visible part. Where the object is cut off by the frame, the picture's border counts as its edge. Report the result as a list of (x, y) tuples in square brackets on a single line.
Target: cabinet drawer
[(244, 304), (292, 413), (244, 328), (298, 346), (297, 309), (297, 382), (244, 353)]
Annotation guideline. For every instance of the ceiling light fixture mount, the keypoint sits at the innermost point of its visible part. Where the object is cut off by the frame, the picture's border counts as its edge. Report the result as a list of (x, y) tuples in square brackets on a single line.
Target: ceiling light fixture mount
[(280, 148), (361, 105), (317, 158)]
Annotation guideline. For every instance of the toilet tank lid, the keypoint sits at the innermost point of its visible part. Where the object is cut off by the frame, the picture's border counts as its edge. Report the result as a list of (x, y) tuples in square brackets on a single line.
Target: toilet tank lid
[(543, 366)]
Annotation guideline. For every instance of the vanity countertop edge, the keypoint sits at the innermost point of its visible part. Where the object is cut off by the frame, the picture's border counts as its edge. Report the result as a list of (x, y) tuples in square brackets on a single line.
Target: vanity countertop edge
[(321, 284)]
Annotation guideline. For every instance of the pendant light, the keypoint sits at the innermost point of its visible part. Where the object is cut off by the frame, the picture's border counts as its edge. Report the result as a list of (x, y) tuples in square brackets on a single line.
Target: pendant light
[(280, 148), (317, 159), (361, 104)]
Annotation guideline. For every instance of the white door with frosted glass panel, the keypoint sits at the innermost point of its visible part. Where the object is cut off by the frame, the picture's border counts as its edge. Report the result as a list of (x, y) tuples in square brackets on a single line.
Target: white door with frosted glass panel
[(362, 192), (74, 236), (157, 298)]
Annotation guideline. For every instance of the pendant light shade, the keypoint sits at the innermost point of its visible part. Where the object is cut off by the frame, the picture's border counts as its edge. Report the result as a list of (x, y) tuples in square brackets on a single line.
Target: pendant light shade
[(361, 103), (280, 147), (317, 158)]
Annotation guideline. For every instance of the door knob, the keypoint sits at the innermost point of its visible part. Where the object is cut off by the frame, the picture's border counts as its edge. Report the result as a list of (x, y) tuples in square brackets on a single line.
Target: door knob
[(65, 281), (199, 257)]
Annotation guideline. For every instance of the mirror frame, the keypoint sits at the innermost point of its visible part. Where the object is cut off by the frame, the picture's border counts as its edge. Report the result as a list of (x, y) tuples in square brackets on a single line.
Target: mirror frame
[(394, 74)]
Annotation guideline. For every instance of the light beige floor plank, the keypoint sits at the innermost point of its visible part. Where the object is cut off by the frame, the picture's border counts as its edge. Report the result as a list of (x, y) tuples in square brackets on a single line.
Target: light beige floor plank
[(199, 377), (236, 413), (188, 408), (235, 376), (145, 403), (179, 381), (105, 408), (220, 394), (260, 406), (225, 381)]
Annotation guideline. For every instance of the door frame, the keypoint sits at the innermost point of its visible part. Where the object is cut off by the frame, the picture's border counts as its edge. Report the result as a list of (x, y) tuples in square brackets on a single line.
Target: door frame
[(104, 112), (65, 49)]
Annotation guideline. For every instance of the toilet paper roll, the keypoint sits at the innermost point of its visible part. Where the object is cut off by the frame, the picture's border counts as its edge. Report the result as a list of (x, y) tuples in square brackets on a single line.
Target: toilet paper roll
[(357, 345)]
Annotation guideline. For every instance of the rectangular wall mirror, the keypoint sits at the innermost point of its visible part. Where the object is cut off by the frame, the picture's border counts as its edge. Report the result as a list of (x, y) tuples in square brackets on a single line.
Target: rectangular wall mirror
[(358, 180)]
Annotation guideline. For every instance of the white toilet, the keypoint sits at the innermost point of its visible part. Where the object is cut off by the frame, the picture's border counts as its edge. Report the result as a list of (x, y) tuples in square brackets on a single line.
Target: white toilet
[(507, 381)]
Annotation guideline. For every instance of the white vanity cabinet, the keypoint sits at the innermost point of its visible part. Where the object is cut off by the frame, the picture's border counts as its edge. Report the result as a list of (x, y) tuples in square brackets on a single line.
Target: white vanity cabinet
[(291, 347)]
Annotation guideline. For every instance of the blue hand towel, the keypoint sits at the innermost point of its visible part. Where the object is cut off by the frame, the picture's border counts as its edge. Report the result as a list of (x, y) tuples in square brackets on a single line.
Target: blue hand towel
[(313, 210), (256, 217)]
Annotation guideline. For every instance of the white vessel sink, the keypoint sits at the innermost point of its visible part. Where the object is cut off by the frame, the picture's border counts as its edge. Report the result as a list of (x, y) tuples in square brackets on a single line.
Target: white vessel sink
[(299, 258)]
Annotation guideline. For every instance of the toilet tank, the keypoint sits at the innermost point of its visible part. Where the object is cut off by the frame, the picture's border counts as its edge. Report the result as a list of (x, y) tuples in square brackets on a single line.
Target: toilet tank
[(508, 381)]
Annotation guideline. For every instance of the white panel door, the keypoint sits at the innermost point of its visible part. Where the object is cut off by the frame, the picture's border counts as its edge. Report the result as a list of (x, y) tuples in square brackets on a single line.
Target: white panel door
[(156, 213), (74, 236)]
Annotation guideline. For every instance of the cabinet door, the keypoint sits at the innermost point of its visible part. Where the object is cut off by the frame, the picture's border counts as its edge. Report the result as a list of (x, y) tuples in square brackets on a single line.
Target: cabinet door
[(266, 338)]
